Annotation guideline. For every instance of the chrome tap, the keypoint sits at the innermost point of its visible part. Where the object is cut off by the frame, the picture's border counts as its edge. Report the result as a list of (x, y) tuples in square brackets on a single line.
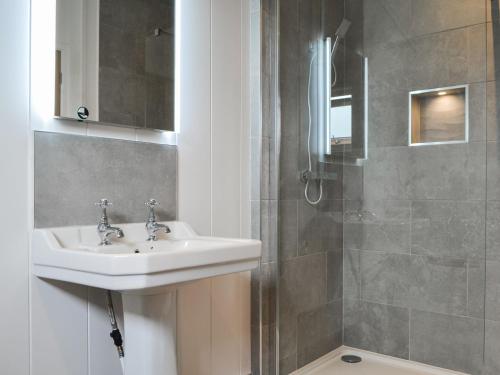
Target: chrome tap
[(152, 227), (106, 232)]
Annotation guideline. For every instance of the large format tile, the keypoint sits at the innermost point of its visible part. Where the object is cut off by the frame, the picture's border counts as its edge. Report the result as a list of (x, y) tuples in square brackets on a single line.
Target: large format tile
[(448, 228), (320, 227), (492, 230), (290, 186), (288, 225), (377, 225), (425, 283), (352, 274), (387, 173), (430, 16), (334, 275), (380, 328), (269, 230), (386, 278), (447, 341), (319, 332), (302, 284), (493, 49), (75, 171), (492, 348), (386, 21), (493, 175), (439, 285), (450, 57), (456, 171), (493, 110), (492, 297)]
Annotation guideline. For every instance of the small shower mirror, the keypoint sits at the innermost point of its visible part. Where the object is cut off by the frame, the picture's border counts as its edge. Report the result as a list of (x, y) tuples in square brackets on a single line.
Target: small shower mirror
[(439, 116), (342, 98), (340, 120), (115, 62)]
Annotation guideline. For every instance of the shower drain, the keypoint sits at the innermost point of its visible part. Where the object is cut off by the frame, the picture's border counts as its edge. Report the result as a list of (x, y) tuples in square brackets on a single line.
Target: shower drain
[(351, 358)]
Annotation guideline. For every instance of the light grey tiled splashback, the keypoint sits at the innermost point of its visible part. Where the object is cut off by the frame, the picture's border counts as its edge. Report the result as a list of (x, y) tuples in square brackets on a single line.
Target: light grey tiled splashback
[(72, 172)]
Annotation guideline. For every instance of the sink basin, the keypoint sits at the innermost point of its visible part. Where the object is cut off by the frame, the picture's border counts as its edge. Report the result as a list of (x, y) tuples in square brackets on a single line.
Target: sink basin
[(146, 273), (131, 263)]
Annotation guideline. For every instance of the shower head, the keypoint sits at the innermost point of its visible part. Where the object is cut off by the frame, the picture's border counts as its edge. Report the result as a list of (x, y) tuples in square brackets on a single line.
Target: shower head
[(340, 34), (343, 28)]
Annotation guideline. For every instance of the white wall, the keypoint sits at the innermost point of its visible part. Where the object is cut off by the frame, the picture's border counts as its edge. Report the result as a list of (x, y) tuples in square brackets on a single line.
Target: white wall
[(68, 324), (14, 139), (214, 179)]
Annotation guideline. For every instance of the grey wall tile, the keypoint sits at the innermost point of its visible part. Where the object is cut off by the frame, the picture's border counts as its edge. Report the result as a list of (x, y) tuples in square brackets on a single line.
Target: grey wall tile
[(492, 232), (269, 230), (387, 174), (448, 228), (449, 57), (476, 285), (288, 365), (386, 22), (288, 339), (352, 182), (302, 284), (386, 278), (377, 225), (493, 45), (493, 110), (426, 283), (439, 285), (72, 172), (493, 175), (478, 111), (429, 16), (320, 227), (379, 328), (319, 332), (492, 300), (448, 171), (268, 349), (447, 341), (352, 274), (492, 348), (288, 229), (290, 185), (268, 275), (334, 275)]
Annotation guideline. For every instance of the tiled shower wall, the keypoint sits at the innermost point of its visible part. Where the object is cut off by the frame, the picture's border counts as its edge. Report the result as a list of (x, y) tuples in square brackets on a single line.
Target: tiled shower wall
[(401, 257), (419, 222), (310, 237)]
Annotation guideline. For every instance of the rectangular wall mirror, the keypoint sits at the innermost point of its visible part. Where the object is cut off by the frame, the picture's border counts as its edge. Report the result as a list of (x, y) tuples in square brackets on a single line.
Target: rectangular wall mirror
[(115, 62)]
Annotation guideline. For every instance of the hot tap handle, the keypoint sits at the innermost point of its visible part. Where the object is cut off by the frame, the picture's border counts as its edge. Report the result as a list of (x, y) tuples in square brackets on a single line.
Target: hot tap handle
[(151, 203), (103, 203)]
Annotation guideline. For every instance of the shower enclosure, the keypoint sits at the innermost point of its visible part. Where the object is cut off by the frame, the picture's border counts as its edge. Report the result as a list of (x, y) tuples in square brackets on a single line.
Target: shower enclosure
[(401, 255)]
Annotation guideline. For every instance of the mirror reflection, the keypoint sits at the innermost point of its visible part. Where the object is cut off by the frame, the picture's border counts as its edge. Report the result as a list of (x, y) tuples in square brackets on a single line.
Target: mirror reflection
[(115, 62)]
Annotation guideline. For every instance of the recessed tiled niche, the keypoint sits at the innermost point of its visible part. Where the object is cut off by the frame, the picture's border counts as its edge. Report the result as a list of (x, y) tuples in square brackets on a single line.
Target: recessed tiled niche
[(439, 116)]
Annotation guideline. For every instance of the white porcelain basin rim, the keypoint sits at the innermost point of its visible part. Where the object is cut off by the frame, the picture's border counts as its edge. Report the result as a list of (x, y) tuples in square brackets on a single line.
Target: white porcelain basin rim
[(70, 254)]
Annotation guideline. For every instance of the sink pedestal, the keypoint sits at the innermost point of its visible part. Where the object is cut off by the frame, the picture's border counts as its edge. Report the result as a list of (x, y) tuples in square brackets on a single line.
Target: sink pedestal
[(150, 333)]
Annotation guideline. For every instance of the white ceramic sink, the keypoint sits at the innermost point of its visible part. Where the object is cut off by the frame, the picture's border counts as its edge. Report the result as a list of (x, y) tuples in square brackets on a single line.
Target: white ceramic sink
[(146, 273), (131, 263)]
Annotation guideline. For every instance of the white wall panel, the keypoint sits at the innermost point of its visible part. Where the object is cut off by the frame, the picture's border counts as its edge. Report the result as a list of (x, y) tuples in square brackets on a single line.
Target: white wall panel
[(226, 116), (14, 129), (58, 328), (213, 182)]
